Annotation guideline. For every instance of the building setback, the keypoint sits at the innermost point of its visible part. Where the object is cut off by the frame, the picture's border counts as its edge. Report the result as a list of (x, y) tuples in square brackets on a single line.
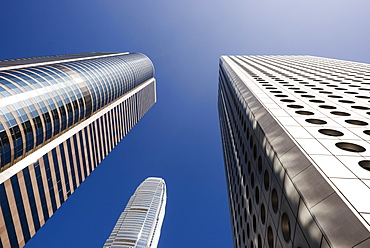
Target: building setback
[(140, 223), (295, 133), (59, 117)]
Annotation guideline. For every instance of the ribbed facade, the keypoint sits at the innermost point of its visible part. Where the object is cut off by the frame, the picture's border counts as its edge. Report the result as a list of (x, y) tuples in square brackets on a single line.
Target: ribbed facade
[(59, 117), (295, 133), (140, 223)]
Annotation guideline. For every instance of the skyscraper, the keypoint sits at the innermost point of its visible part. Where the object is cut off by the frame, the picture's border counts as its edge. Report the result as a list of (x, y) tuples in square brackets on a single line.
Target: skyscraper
[(295, 133), (140, 223), (59, 117)]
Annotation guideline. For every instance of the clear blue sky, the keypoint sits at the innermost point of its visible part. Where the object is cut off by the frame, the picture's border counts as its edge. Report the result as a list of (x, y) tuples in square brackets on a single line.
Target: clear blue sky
[(179, 138)]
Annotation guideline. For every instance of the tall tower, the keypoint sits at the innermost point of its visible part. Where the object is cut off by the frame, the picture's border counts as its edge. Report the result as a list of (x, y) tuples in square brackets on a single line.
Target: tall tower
[(295, 133), (59, 117), (140, 223)]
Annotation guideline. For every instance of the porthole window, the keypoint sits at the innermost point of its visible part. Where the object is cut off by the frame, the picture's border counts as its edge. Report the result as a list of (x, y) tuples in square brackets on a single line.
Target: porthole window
[(350, 147), (285, 227), (263, 214), (257, 195), (346, 101), (279, 95), (270, 237), (254, 152), (259, 164), (252, 180), (254, 223), (365, 164), (316, 121), (330, 132), (295, 106), (360, 107), (301, 112), (327, 107), (357, 122), (367, 132), (266, 180), (287, 100), (340, 113), (274, 201), (317, 101), (259, 241)]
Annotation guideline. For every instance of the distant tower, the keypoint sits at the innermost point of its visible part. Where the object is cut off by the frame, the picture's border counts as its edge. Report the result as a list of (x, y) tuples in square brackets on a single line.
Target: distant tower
[(140, 223), (59, 117), (295, 133)]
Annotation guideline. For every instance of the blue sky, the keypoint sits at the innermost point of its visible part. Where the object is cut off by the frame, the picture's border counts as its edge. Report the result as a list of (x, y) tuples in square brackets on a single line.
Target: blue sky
[(179, 138)]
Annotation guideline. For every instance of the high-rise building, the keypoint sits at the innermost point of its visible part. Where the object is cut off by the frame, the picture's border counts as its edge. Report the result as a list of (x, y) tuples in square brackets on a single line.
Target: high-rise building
[(59, 117), (140, 223), (295, 133)]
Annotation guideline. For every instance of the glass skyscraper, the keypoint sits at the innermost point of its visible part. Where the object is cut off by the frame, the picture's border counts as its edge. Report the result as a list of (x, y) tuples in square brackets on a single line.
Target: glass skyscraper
[(59, 117), (296, 134), (140, 223)]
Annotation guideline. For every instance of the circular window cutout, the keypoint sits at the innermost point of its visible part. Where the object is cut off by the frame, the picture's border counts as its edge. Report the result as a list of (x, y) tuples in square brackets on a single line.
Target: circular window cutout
[(270, 237), (351, 92), (263, 214), (259, 241), (363, 97), (301, 112), (360, 107), (281, 95), (326, 92), (260, 164), (350, 147), (287, 100), (365, 164), (271, 88), (257, 195), (346, 101), (252, 180), (356, 122), (276, 91), (274, 201), (300, 91), (367, 132), (254, 151), (285, 227), (266, 180), (339, 113), (295, 106), (316, 121), (317, 101), (334, 96), (327, 107), (254, 224), (308, 96), (331, 132)]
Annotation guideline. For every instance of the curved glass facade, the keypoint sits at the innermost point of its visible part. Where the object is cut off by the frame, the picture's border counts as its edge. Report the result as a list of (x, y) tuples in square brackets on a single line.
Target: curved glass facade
[(140, 223), (38, 103)]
